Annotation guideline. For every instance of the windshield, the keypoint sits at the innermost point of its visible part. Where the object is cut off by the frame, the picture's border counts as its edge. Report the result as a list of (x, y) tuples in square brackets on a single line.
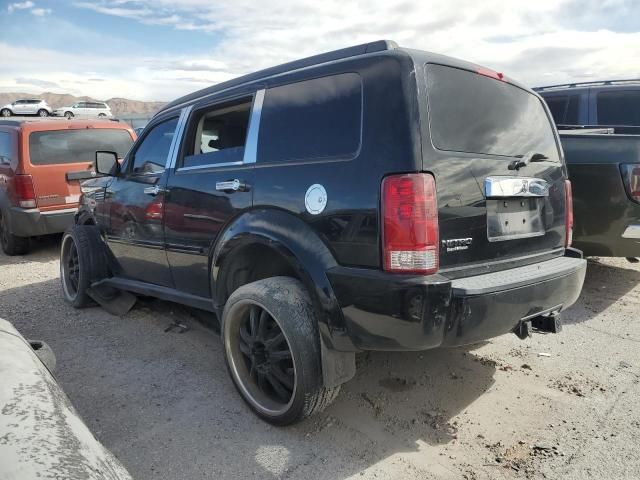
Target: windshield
[(74, 146), (469, 112)]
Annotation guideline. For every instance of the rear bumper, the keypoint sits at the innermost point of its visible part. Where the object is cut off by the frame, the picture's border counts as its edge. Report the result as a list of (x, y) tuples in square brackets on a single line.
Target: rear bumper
[(390, 312), (33, 222)]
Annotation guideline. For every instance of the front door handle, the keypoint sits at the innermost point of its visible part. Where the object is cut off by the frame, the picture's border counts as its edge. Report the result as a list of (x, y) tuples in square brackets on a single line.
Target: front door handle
[(234, 185), (155, 190)]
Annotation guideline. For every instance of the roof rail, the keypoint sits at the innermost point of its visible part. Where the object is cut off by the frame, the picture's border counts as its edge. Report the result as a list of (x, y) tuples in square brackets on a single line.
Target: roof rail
[(588, 84), (371, 47)]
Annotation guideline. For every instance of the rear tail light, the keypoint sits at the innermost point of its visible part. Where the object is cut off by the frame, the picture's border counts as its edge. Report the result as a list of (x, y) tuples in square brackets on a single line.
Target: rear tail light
[(410, 224), (24, 191), (568, 207), (631, 177), (154, 210)]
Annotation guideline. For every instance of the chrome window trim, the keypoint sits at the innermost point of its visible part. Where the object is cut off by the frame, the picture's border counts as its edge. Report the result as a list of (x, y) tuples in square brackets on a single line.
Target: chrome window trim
[(251, 143), (177, 137)]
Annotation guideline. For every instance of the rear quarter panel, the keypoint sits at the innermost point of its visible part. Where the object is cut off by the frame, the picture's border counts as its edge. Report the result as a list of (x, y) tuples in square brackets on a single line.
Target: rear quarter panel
[(602, 208)]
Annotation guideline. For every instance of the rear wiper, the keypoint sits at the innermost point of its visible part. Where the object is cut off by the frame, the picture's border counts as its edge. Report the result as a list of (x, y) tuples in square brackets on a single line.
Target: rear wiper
[(524, 160)]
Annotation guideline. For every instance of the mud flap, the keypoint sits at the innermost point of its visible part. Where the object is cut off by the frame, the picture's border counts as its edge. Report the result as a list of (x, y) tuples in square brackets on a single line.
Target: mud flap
[(337, 367), (116, 302)]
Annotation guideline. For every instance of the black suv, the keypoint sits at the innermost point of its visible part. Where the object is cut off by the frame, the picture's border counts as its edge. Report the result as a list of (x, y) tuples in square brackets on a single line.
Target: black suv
[(371, 198)]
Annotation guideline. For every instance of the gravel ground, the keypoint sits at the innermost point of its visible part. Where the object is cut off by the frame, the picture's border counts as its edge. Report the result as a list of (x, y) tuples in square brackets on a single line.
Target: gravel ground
[(552, 406)]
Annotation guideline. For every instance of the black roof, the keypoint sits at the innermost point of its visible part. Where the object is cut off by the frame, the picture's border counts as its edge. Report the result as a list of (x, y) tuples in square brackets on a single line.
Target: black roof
[(377, 46)]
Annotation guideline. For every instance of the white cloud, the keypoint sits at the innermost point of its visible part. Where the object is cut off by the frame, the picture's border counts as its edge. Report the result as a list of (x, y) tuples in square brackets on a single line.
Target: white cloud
[(542, 42), (19, 6), (40, 12)]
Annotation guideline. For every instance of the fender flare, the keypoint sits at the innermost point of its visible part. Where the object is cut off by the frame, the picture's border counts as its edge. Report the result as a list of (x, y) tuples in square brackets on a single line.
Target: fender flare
[(310, 257)]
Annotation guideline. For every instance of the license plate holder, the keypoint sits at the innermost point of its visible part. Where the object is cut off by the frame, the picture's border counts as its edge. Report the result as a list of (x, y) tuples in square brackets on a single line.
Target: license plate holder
[(513, 218)]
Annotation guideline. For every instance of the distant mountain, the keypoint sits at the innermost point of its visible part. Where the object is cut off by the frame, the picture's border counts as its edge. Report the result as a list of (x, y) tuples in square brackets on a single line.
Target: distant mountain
[(119, 106)]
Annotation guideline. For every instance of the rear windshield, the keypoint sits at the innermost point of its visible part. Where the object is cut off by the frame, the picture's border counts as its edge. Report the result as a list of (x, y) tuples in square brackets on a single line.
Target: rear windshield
[(74, 146), (473, 113)]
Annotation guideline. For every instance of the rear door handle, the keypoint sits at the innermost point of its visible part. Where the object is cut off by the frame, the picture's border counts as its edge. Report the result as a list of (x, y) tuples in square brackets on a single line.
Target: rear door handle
[(155, 190), (234, 185)]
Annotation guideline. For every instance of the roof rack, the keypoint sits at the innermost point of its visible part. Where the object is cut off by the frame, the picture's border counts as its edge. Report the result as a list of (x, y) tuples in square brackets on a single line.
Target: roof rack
[(377, 46), (588, 84)]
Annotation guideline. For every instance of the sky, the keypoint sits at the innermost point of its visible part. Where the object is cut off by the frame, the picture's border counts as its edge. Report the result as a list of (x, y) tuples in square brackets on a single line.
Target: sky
[(162, 49)]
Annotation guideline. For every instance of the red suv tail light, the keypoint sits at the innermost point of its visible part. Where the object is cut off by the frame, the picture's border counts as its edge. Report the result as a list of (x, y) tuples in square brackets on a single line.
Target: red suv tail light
[(568, 206), (631, 176), (24, 191), (410, 224)]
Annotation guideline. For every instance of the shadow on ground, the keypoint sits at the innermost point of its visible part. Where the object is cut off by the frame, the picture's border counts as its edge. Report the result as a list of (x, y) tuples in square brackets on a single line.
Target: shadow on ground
[(603, 286), (42, 249), (163, 402)]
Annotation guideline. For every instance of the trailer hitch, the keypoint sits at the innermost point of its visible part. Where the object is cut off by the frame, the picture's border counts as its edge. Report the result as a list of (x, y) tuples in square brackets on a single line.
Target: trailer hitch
[(549, 323)]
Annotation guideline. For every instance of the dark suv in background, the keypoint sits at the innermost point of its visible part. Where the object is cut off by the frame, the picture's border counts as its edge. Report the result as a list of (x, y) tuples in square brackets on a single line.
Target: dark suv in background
[(370, 198), (609, 102)]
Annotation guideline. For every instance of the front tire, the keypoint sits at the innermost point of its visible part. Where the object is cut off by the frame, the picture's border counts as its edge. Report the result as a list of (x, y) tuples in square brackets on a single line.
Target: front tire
[(82, 262), (272, 349), (10, 243), (5, 112), (43, 113)]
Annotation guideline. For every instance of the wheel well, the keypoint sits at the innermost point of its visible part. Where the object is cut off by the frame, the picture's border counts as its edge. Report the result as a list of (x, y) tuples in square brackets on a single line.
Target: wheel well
[(249, 264)]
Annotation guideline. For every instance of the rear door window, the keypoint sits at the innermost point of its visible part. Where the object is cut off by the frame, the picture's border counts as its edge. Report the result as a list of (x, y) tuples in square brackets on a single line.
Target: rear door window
[(74, 146), (473, 113), (312, 119), (620, 107)]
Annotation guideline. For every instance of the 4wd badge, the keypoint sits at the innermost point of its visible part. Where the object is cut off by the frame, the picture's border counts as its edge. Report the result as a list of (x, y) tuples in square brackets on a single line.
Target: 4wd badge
[(315, 199)]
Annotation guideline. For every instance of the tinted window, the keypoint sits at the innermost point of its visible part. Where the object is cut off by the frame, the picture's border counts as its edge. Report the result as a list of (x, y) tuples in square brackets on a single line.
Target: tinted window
[(5, 148), (620, 107), (558, 106), (71, 146), (220, 135), (318, 118), (151, 155), (473, 113), (571, 116)]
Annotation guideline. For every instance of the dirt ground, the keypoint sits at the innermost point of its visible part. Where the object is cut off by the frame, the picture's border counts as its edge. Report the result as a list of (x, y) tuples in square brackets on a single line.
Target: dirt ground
[(553, 406)]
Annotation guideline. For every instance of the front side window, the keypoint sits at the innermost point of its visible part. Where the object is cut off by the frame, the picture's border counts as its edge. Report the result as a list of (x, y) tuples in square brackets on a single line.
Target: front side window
[(312, 119), (621, 107), (152, 153), (220, 135)]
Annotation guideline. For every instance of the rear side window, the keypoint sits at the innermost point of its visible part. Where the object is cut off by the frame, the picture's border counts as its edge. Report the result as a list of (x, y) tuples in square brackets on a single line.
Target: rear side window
[(5, 148), (621, 107), (473, 113), (312, 119), (72, 146), (564, 108)]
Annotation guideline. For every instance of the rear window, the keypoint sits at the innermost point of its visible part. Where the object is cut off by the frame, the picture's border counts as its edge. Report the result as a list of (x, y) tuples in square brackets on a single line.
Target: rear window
[(6, 149), (312, 119), (73, 146), (473, 113), (620, 107)]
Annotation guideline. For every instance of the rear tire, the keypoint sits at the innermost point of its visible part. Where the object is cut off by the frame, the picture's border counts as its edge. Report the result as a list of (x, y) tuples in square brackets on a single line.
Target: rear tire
[(68, 115), (272, 349), (43, 113), (11, 244), (82, 262), (101, 115), (5, 112)]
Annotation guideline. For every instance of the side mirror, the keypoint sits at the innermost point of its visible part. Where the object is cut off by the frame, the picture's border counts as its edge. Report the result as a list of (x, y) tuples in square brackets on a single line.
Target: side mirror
[(107, 163)]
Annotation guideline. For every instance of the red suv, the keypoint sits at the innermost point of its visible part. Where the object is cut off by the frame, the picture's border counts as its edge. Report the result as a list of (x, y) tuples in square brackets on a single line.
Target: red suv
[(41, 166)]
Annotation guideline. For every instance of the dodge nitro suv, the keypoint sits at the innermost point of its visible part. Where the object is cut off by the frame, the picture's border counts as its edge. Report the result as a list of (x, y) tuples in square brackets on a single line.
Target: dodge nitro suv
[(370, 198)]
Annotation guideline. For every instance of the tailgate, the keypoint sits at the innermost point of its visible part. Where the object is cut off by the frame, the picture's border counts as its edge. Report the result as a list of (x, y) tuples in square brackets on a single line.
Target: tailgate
[(60, 159), (498, 168)]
